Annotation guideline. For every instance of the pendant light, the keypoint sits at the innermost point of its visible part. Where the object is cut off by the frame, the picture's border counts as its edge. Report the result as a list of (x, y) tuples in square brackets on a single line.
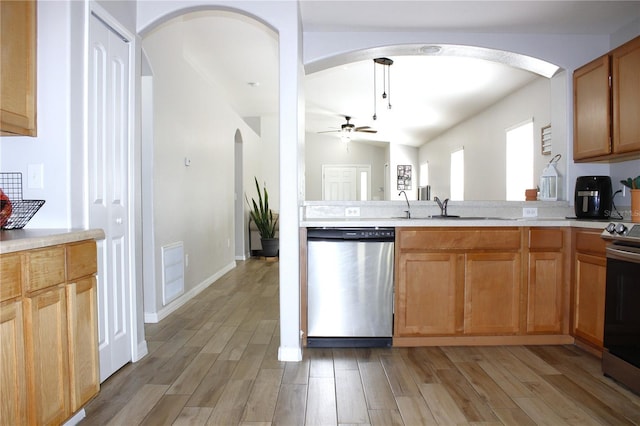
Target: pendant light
[(386, 83)]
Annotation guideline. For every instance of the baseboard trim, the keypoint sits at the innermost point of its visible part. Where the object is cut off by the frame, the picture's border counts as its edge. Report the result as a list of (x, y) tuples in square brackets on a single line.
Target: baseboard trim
[(289, 354), (555, 339), (150, 317)]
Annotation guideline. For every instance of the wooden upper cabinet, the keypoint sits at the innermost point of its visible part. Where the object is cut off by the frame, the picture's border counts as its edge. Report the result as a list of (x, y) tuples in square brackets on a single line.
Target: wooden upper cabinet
[(606, 96), (591, 114), (625, 62), (18, 67)]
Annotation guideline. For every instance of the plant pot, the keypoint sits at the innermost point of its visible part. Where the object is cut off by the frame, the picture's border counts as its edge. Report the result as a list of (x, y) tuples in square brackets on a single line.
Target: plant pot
[(635, 205), (270, 247)]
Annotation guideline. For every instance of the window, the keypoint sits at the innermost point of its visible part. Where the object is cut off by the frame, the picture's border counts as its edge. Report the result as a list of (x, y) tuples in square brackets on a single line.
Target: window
[(519, 140), (457, 175), (424, 174), (364, 185)]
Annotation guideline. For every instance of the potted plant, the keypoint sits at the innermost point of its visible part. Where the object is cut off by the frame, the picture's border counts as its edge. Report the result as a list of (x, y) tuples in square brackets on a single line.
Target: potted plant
[(634, 186), (263, 217)]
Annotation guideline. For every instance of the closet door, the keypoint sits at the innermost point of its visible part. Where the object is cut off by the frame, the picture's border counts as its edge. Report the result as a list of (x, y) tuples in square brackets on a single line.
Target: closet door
[(108, 148)]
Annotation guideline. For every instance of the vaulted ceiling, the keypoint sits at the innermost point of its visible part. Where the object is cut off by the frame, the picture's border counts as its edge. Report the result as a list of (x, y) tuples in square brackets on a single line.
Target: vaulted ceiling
[(428, 93)]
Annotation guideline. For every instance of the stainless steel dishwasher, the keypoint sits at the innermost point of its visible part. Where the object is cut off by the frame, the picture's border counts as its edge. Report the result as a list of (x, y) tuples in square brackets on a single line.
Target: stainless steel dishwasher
[(350, 287)]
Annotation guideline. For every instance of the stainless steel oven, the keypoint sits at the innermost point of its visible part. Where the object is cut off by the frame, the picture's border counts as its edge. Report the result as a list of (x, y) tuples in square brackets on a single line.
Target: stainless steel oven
[(621, 355)]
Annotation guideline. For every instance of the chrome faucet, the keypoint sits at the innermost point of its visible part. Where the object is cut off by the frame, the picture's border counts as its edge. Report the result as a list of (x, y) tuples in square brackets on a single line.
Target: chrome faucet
[(442, 205), (408, 210)]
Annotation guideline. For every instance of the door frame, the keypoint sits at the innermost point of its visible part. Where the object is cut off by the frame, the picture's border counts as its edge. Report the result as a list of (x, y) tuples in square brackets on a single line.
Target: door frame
[(138, 348)]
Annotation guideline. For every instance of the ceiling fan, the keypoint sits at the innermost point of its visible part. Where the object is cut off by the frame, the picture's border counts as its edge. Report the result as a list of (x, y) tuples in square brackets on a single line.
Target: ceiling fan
[(350, 128)]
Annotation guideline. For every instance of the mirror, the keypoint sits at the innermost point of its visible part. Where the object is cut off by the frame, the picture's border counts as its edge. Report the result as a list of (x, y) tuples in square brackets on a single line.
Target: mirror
[(472, 110)]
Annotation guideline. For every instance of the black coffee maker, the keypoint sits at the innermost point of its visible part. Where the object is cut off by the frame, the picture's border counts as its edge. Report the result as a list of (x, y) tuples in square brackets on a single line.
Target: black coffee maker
[(593, 197)]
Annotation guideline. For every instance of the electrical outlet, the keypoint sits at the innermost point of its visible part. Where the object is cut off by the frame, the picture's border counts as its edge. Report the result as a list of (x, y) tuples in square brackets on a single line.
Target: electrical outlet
[(529, 212), (352, 211)]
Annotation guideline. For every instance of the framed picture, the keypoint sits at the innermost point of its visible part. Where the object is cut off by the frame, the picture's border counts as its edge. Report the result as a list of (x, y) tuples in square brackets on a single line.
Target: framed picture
[(404, 177)]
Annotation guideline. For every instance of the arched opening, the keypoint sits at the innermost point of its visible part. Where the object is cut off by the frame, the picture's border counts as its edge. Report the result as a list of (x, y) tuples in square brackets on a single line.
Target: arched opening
[(213, 110)]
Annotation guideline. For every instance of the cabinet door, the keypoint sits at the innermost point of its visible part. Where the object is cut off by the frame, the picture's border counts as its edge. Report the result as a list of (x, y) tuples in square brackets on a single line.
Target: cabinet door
[(13, 388), (83, 341), (592, 116), (427, 294), (492, 293), (544, 301), (590, 275), (47, 360), (626, 97), (18, 71)]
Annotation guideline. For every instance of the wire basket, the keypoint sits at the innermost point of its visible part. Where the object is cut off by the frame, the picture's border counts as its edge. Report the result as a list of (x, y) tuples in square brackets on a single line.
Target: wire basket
[(21, 210)]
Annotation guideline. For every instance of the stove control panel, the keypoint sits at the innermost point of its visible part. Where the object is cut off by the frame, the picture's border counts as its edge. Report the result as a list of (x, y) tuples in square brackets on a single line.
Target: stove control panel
[(622, 231)]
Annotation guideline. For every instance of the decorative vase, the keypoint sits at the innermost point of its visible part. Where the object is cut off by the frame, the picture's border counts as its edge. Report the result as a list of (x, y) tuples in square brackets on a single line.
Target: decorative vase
[(635, 205), (270, 247)]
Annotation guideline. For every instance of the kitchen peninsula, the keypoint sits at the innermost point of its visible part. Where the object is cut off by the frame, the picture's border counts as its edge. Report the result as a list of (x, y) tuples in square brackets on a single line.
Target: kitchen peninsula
[(48, 323), (486, 277)]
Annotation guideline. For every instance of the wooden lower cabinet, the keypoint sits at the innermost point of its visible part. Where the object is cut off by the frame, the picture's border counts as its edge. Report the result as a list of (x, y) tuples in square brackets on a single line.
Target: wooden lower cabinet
[(48, 333), (545, 293), (492, 293), (591, 275), (481, 286), (457, 282), (83, 337), (46, 353), (13, 388), (589, 280), (429, 294), (547, 277)]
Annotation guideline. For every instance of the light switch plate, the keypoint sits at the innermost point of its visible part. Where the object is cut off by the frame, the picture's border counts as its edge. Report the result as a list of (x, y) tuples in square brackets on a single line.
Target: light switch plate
[(35, 178), (529, 212)]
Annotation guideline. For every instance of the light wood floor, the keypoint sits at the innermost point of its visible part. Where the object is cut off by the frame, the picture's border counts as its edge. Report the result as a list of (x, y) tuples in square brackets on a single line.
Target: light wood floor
[(214, 361)]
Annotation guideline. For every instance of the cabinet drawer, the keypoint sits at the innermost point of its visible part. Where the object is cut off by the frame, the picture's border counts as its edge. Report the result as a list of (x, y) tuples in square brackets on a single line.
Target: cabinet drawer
[(11, 273), (546, 239), (81, 260), (46, 268), (589, 241), (459, 239)]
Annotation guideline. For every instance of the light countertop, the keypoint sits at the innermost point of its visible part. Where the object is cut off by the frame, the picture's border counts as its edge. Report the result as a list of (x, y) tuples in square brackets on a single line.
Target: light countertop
[(452, 222), (26, 239)]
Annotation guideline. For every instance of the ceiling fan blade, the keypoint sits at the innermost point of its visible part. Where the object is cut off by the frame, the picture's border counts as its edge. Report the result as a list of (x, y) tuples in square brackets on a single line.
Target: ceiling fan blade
[(330, 131), (362, 127), (366, 131)]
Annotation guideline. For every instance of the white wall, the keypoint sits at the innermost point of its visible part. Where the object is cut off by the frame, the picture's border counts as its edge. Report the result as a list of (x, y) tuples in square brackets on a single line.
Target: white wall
[(323, 149), (403, 155), (568, 51), (483, 139), (284, 18), (194, 204), (52, 146)]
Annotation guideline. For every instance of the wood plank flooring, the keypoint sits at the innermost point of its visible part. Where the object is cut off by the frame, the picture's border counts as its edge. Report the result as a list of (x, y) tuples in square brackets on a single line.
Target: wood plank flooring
[(214, 362)]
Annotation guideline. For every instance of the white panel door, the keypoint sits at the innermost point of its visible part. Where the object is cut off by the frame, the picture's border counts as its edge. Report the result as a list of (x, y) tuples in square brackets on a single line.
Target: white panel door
[(339, 183), (108, 148)]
